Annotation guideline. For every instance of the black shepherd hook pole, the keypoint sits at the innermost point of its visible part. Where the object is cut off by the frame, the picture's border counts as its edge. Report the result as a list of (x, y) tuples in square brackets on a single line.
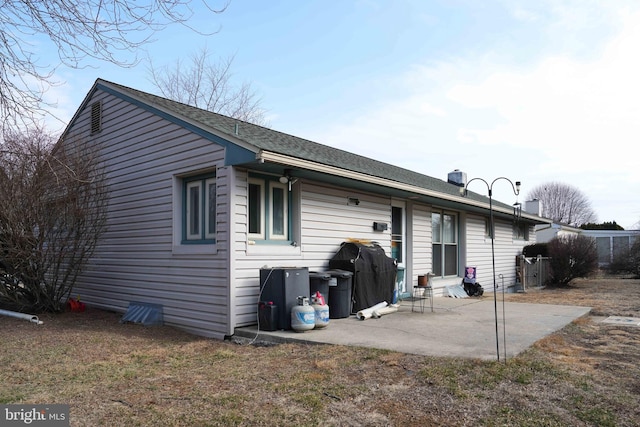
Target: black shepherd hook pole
[(516, 190)]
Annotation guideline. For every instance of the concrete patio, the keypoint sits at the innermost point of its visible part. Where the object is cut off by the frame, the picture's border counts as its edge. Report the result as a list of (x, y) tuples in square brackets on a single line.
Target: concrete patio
[(458, 327)]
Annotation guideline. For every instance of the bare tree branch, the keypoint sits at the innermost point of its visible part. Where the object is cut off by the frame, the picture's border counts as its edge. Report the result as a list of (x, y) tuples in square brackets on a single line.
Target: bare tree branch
[(563, 203), (208, 85), (106, 30)]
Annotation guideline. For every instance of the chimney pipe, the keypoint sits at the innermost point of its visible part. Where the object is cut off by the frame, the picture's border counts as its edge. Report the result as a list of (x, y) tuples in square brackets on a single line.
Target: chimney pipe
[(457, 177)]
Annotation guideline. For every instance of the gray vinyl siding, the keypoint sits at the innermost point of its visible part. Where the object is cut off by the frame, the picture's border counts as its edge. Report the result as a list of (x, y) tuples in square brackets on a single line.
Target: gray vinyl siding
[(421, 250), (506, 250), (328, 220), (325, 221), (210, 289), (137, 259)]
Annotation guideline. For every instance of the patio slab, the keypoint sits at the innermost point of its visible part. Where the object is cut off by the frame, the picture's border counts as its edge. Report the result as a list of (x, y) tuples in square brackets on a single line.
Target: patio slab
[(458, 327)]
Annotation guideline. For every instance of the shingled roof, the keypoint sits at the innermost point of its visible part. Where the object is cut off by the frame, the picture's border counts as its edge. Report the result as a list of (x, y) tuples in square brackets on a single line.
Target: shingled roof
[(263, 138), (258, 138)]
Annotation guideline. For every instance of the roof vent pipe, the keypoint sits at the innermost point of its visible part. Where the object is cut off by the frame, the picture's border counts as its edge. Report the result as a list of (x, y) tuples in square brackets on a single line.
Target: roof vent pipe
[(458, 178)]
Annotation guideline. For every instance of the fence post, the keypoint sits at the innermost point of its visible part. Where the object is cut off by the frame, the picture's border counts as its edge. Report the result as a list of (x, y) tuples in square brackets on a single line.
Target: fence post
[(539, 268)]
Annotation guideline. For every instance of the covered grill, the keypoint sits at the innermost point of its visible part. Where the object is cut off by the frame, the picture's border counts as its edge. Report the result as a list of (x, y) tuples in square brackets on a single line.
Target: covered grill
[(374, 273)]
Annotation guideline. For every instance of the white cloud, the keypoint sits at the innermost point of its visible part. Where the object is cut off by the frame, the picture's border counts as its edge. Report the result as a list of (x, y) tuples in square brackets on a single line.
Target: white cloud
[(566, 108), (570, 118)]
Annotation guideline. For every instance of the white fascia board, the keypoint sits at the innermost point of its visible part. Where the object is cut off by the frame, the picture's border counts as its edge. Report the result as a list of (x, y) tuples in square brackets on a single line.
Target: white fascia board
[(267, 156)]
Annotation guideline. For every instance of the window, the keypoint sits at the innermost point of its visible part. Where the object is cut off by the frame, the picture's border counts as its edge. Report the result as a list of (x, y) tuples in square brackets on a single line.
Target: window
[(604, 249), (621, 245), (199, 209), (444, 232), (397, 233), (487, 228), (268, 209), (520, 231)]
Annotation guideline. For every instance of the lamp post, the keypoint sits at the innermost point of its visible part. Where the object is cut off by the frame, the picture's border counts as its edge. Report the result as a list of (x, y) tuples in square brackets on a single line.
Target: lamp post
[(516, 191)]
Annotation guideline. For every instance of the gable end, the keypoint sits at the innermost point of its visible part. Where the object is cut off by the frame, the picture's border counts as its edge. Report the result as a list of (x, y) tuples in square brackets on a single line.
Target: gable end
[(96, 117), (234, 154)]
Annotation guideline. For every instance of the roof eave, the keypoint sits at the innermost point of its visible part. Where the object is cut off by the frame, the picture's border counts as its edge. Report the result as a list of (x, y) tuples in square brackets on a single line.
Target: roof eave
[(294, 162)]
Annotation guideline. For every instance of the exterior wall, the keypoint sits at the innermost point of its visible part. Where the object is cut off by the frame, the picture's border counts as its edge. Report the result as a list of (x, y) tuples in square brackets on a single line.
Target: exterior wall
[(612, 242), (325, 221), (140, 257), (212, 289), (547, 232), (419, 244), (506, 249)]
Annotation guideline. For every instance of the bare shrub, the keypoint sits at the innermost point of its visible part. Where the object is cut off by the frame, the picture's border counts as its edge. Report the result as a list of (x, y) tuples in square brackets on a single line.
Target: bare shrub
[(52, 214), (626, 261), (572, 257)]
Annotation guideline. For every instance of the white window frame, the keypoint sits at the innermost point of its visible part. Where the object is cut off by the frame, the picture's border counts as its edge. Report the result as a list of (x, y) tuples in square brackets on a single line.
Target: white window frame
[(517, 228), (203, 233), (442, 244), (261, 234), (488, 232), (273, 185), (208, 233), (189, 186), (267, 233)]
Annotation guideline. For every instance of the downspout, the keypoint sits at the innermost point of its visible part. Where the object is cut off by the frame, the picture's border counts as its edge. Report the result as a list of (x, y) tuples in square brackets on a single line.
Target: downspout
[(30, 317)]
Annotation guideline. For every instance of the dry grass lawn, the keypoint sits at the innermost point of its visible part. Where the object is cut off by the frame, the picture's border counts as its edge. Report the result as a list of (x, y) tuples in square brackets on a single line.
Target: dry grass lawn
[(113, 374)]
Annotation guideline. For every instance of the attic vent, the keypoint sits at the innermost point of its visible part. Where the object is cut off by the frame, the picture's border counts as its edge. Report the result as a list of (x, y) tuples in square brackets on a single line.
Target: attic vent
[(96, 117)]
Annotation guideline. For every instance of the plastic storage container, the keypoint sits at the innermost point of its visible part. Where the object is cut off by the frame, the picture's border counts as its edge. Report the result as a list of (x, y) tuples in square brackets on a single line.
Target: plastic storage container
[(283, 285), (319, 282), (340, 293), (267, 316)]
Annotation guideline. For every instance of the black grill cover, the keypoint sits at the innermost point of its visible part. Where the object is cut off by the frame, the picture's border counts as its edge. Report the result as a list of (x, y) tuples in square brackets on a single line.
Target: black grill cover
[(374, 273)]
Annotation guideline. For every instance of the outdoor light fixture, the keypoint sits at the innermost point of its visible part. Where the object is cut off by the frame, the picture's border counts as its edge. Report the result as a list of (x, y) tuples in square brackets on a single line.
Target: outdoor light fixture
[(516, 191), (286, 178)]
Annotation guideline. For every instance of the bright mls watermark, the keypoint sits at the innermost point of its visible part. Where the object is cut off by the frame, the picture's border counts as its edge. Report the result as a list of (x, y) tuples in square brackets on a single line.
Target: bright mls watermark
[(34, 415)]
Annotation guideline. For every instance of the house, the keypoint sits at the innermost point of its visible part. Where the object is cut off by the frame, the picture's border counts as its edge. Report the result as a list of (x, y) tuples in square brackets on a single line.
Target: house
[(547, 232), (611, 243), (200, 202)]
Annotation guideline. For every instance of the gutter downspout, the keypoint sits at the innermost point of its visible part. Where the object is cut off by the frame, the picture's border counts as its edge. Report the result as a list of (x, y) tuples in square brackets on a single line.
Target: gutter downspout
[(30, 317)]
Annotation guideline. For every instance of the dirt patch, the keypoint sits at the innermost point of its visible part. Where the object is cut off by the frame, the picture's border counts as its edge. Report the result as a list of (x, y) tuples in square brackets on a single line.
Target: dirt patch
[(121, 374)]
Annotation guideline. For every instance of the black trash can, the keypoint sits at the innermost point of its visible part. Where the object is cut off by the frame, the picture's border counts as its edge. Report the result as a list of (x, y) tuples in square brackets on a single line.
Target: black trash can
[(319, 281), (340, 293)]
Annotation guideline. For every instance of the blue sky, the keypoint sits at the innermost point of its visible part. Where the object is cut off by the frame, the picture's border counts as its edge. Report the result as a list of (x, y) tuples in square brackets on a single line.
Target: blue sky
[(535, 90)]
